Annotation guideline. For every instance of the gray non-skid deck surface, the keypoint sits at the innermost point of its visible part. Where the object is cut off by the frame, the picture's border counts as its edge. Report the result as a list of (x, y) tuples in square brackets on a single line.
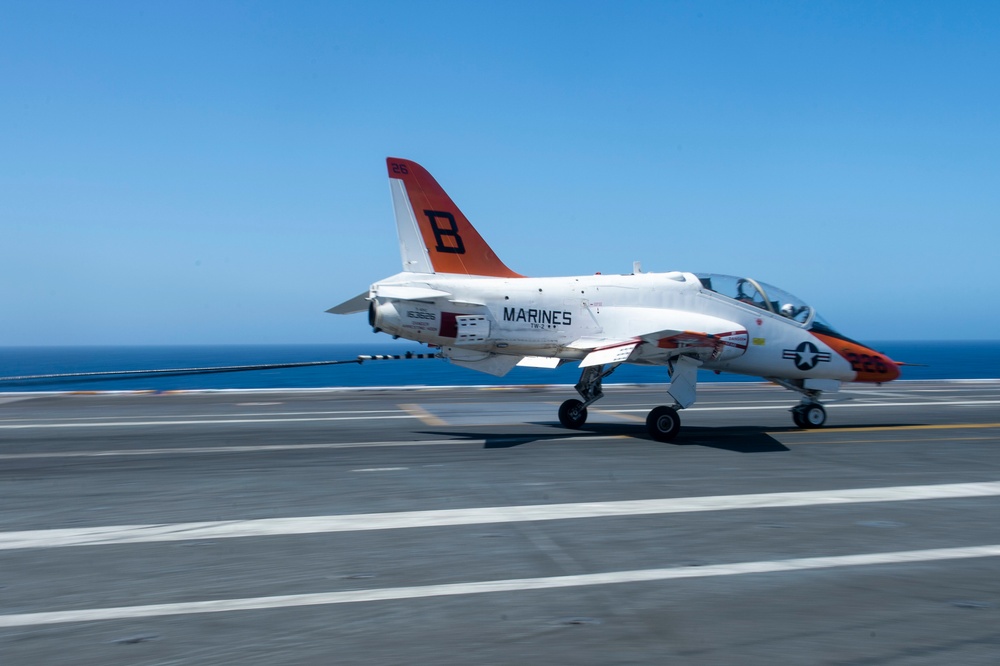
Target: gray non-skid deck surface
[(721, 590)]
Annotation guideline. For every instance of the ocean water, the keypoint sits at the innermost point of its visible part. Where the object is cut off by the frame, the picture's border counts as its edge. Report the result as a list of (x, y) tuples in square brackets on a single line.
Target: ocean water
[(943, 360)]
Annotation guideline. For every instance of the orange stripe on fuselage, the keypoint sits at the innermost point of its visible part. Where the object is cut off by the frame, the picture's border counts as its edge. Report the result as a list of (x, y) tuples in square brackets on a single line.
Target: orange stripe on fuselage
[(452, 242), (870, 365)]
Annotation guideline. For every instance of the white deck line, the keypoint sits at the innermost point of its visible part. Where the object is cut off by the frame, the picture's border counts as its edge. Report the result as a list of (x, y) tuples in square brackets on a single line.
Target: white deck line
[(510, 585), (702, 386), (229, 529), (4, 425)]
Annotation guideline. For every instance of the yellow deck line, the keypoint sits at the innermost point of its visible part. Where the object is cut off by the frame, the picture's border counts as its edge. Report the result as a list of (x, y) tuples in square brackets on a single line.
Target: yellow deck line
[(425, 416), (617, 414), (956, 426), (891, 441)]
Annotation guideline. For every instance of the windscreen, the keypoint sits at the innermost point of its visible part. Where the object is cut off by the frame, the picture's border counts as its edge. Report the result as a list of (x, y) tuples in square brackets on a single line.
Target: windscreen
[(759, 294)]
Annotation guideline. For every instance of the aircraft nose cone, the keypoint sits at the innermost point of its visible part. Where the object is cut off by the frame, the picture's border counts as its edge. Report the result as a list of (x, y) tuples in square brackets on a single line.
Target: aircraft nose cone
[(868, 365), (893, 369), (873, 366)]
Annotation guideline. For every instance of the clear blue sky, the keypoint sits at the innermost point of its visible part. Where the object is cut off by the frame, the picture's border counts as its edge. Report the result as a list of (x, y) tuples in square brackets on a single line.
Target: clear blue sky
[(213, 172)]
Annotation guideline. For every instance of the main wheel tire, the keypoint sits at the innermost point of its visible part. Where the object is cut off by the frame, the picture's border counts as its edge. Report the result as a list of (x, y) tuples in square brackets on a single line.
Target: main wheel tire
[(572, 414), (813, 416), (798, 417), (663, 424)]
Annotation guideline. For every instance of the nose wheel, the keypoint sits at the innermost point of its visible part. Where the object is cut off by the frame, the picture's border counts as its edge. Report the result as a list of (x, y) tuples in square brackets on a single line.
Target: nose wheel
[(810, 415)]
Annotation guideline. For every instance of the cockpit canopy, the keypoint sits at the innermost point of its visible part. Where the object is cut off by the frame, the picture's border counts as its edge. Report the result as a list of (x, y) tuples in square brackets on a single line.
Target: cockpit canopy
[(764, 296)]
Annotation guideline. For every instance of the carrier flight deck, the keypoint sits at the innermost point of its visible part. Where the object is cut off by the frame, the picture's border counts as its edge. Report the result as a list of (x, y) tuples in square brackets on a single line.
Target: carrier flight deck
[(466, 525)]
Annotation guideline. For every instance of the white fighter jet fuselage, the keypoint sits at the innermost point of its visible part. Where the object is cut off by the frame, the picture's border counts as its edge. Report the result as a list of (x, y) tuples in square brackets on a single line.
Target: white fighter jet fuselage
[(456, 295)]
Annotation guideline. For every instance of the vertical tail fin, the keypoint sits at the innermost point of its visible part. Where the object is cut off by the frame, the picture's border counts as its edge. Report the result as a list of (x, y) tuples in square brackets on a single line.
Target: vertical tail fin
[(434, 235)]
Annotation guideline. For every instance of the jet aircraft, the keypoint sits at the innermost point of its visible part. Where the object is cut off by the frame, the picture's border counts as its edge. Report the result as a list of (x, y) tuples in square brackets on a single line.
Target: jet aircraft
[(456, 295)]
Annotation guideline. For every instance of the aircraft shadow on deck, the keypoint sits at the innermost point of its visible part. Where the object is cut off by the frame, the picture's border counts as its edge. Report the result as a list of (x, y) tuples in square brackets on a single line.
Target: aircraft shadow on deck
[(738, 439)]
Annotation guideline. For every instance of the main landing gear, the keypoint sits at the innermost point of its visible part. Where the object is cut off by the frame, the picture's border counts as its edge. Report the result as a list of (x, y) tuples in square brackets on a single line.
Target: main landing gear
[(573, 413), (663, 423)]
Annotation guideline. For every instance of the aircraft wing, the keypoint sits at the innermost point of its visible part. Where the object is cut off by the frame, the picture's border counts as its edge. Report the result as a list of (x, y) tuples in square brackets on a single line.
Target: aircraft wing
[(723, 345), (714, 338), (679, 339)]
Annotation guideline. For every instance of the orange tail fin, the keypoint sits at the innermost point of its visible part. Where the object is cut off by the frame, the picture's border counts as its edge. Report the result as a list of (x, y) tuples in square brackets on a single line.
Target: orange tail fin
[(434, 235)]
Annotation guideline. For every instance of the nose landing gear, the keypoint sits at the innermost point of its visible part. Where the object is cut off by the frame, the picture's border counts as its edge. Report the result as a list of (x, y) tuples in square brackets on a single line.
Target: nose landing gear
[(810, 412), (809, 415)]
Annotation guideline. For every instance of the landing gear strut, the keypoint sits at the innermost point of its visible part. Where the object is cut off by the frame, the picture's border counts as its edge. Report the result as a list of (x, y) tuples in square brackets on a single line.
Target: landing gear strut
[(573, 413), (663, 423)]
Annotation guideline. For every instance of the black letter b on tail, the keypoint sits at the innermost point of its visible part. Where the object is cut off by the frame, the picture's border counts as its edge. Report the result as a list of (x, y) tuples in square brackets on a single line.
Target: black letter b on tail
[(450, 232)]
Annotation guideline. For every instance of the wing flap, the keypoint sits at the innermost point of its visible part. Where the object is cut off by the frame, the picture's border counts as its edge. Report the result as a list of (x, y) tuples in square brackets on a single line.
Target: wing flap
[(617, 353), (539, 362)]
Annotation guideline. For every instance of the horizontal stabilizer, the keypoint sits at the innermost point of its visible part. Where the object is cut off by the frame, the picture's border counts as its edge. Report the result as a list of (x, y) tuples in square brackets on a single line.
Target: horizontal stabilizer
[(357, 304), (404, 293)]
